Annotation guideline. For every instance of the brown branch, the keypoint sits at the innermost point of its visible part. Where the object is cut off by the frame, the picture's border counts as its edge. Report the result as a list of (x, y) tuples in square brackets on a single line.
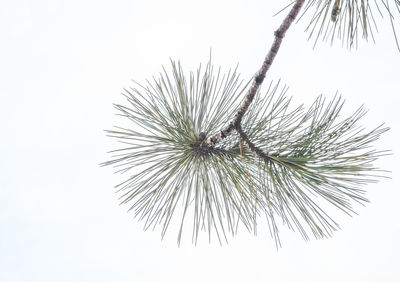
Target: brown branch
[(259, 78), (243, 136)]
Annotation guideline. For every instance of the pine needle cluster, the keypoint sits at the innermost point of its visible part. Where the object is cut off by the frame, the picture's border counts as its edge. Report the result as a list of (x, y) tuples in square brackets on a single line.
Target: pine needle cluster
[(348, 20), (283, 163)]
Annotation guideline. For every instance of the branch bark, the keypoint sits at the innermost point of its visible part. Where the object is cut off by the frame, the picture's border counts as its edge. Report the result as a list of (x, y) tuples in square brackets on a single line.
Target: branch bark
[(243, 136), (259, 77)]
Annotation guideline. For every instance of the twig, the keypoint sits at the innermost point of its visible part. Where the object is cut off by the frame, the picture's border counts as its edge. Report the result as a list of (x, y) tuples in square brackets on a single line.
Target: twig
[(243, 136), (259, 78)]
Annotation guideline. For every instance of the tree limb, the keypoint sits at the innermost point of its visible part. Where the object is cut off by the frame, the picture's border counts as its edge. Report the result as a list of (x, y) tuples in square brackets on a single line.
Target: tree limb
[(259, 78)]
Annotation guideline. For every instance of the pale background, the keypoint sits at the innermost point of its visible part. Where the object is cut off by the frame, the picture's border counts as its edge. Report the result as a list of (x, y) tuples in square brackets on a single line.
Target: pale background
[(63, 64)]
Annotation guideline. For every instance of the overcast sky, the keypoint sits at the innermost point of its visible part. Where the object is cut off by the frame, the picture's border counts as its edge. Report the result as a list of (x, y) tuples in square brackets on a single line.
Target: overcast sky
[(62, 66)]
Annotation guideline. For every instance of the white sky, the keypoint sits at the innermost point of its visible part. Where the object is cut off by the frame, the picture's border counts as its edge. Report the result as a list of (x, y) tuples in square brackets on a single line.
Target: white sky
[(63, 64)]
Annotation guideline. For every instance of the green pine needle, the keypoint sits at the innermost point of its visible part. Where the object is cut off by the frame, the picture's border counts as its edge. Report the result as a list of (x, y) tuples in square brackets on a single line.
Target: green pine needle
[(313, 157), (347, 20)]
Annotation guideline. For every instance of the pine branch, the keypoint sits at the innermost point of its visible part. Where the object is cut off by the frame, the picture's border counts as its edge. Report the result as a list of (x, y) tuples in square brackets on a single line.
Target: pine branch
[(294, 162), (298, 160), (259, 78)]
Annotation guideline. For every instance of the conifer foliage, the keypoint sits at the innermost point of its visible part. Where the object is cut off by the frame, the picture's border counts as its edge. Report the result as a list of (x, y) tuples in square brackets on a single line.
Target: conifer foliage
[(206, 151)]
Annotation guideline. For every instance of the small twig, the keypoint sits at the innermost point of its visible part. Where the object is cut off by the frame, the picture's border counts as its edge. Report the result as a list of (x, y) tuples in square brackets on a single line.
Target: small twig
[(259, 78), (245, 139)]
